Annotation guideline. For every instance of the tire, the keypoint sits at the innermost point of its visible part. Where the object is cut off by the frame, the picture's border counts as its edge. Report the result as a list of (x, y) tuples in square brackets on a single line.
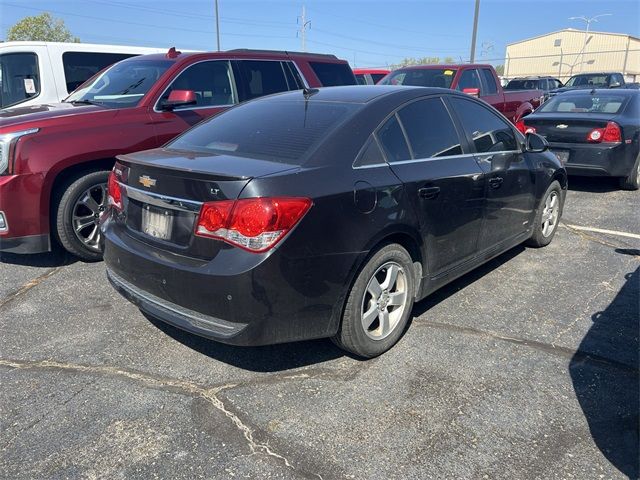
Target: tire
[(632, 182), (547, 217), (376, 339), (82, 201)]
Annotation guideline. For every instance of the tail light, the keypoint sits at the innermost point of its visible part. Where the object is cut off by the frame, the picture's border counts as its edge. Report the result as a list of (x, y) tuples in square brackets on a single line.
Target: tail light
[(610, 134), (520, 125), (114, 193), (255, 224)]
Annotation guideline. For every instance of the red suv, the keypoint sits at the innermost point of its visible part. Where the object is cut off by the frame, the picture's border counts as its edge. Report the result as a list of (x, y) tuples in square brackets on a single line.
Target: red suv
[(55, 159)]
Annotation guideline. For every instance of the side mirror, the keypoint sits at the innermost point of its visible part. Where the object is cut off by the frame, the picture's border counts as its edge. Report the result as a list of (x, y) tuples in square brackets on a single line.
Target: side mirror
[(179, 98), (474, 92), (614, 84), (534, 143)]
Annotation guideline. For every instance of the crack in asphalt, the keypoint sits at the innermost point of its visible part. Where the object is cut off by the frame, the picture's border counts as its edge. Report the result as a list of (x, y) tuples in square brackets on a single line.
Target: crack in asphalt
[(184, 387), (29, 285), (545, 347)]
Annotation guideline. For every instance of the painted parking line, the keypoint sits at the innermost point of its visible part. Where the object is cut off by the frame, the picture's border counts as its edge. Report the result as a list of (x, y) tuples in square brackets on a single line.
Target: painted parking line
[(602, 230)]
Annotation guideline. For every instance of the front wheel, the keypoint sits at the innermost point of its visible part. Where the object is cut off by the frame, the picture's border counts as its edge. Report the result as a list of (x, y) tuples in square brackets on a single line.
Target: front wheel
[(379, 303), (548, 217), (78, 213)]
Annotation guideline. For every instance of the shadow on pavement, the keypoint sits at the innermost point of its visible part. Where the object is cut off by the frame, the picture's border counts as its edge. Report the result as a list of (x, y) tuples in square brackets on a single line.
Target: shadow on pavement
[(628, 251), (609, 393), (55, 258), (467, 279), (594, 184), (267, 359)]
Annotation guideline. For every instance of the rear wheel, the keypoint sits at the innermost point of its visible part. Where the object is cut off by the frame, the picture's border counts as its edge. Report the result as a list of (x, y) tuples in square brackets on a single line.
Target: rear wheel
[(379, 303), (78, 213), (632, 182), (548, 217)]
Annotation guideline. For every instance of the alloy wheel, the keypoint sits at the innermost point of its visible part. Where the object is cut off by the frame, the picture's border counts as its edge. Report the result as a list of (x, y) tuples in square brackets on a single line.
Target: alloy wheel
[(384, 301), (550, 213), (86, 216)]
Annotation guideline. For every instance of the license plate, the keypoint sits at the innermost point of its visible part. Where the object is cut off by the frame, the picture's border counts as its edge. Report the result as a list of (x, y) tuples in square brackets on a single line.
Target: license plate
[(156, 223), (562, 155)]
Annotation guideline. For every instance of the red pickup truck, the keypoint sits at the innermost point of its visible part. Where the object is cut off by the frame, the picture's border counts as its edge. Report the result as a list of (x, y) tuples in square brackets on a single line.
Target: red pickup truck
[(55, 159), (477, 80)]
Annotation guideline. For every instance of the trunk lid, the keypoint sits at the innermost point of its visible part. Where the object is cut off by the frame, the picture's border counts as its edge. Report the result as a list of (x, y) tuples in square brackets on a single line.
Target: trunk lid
[(566, 128), (163, 191)]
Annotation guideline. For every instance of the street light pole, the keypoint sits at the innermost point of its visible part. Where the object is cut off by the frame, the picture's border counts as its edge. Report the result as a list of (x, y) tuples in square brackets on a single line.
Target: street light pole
[(472, 57), (217, 26), (588, 21)]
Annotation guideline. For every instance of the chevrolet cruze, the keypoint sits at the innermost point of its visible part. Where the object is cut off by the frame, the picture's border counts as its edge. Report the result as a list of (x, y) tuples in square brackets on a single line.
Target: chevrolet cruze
[(324, 213)]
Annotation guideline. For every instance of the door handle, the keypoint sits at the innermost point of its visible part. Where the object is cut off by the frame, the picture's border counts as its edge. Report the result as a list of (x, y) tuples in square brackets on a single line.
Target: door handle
[(495, 182), (428, 192)]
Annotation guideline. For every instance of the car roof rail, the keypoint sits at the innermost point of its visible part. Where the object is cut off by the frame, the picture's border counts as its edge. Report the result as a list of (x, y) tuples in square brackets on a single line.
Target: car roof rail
[(286, 52)]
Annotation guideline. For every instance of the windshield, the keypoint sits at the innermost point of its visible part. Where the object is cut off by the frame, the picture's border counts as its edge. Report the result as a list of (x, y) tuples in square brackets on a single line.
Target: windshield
[(122, 85), (588, 81), (281, 131), (522, 85), (436, 77), (19, 78), (568, 103)]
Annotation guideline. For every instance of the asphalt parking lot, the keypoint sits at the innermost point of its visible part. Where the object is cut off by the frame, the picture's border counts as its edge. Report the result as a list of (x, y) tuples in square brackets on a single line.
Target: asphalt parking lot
[(525, 368)]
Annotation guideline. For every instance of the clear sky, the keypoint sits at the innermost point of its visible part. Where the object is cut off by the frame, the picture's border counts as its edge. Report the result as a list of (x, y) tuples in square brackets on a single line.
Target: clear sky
[(364, 32)]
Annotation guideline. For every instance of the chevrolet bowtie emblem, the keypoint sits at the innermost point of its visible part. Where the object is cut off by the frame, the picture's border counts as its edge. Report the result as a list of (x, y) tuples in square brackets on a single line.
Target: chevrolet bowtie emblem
[(562, 125), (147, 181)]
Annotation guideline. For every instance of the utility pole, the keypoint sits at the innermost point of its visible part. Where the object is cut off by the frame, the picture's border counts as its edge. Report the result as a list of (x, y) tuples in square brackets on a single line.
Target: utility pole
[(217, 25), (304, 23), (472, 57)]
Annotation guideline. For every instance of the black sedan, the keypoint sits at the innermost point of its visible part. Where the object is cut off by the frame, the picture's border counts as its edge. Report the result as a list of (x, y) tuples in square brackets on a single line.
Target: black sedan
[(593, 132), (324, 213)]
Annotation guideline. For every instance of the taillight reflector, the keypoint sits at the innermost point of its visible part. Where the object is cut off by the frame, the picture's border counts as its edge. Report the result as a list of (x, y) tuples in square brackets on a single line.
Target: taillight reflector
[(114, 193), (255, 224), (520, 125), (610, 134)]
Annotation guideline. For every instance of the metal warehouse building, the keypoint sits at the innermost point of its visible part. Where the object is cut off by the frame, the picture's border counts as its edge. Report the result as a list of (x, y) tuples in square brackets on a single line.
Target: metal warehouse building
[(568, 52)]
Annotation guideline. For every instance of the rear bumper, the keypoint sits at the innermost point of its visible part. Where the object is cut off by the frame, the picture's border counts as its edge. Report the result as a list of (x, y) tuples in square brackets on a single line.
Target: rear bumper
[(597, 159), (239, 298)]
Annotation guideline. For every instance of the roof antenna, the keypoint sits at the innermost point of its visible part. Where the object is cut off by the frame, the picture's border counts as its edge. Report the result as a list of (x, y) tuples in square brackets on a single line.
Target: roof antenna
[(593, 91), (173, 53), (307, 92)]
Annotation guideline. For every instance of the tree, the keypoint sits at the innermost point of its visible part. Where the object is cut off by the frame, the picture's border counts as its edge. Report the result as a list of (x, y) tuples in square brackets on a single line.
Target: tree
[(41, 28)]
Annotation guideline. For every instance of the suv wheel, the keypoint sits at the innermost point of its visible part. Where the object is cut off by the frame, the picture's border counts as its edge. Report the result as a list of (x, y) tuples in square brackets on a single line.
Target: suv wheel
[(379, 303), (78, 213)]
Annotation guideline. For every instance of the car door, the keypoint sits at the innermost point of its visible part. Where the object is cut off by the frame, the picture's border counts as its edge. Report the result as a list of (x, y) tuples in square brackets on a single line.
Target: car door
[(489, 92), (443, 182), (214, 85), (510, 179)]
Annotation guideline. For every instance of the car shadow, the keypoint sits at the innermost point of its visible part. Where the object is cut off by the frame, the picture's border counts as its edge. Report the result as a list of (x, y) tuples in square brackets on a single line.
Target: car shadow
[(605, 377), (264, 359), (594, 184), (56, 258), (467, 279)]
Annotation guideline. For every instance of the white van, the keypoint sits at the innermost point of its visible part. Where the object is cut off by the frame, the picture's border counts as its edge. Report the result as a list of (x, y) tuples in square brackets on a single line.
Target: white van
[(33, 73)]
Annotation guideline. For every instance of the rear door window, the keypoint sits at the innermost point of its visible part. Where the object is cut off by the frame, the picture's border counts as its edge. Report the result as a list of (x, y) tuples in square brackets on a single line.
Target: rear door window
[(469, 79), (488, 131), (19, 78), (393, 142), (430, 129), (333, 74), (490, 82), (81, 66), (212, 82), (262, 77)]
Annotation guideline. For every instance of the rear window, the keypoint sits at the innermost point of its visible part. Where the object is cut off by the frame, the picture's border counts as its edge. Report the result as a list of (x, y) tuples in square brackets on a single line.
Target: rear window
[(568, 103), (333, 74), (19, 78), (378, 76), (421, 77), (281, 130), (522, 85), (588, 81), (81, 66)]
